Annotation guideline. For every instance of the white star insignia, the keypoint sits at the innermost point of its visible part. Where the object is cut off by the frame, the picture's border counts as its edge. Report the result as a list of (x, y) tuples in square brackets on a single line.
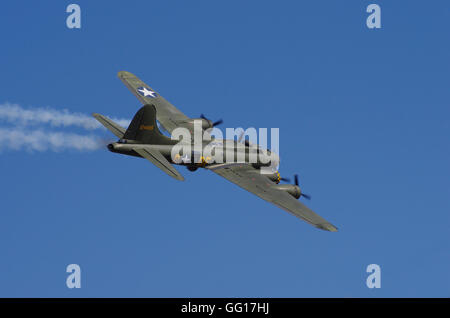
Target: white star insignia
[(146, 92)]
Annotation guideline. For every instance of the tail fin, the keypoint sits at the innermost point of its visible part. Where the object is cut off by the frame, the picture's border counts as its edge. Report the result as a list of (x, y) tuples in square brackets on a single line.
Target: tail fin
[(143, 127)]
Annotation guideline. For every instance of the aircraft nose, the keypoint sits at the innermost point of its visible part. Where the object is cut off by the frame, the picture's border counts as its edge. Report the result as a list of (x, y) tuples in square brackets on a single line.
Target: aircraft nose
[(110, 147)]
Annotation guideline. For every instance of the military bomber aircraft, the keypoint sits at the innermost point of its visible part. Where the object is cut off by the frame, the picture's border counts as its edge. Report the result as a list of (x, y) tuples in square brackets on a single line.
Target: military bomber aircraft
[(144, 139)]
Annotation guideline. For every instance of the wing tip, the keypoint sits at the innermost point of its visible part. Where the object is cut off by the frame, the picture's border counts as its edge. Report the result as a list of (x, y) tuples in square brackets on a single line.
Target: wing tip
[(179, 175), (327, 227), (124, 74)]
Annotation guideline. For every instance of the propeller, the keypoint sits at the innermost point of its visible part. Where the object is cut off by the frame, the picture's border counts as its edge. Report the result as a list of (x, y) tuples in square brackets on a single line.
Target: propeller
[(306, 196), (216, 123)]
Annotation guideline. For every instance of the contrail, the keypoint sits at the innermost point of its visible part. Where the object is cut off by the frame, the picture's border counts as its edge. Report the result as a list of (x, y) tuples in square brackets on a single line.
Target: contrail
[(40, 140), (15, 114), (23, 135)]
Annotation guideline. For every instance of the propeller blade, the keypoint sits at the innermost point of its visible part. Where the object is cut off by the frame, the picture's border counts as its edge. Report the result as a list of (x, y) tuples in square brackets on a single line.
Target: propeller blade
[(217, 122), (213, 124), (285, 179), (306, 196)]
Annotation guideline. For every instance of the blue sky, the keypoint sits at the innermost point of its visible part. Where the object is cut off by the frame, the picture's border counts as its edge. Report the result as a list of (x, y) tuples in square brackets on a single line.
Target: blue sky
[(363, 117)]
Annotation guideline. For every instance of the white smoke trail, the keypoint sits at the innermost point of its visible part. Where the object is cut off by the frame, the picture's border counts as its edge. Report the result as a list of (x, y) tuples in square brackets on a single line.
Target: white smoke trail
[(15, 114), (39, 140)]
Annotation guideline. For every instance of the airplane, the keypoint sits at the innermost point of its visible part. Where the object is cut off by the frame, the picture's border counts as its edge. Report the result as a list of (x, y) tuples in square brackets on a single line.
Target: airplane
[(144, 139)]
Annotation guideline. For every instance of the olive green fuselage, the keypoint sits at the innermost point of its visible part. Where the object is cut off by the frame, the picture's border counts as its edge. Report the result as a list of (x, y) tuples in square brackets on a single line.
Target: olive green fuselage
[(223, 151)]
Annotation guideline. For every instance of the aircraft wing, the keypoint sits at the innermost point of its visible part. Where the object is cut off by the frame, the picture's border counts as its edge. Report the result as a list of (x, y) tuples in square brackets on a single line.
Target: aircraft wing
[(250, 179), (168, 115), (158, 160)]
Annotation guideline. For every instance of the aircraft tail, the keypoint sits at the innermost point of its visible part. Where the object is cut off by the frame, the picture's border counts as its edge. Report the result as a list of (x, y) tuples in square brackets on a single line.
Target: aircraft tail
[(113, 127), (143, 127)]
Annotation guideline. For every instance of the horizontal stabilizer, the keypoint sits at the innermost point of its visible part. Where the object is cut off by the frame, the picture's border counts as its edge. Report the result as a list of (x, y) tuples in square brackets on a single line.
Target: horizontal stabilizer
[(115, 128), (160, 161)]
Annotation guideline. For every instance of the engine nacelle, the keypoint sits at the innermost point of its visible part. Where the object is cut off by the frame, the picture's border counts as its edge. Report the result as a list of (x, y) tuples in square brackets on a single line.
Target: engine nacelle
[(291, 189), (275, 177), (206, 123)]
